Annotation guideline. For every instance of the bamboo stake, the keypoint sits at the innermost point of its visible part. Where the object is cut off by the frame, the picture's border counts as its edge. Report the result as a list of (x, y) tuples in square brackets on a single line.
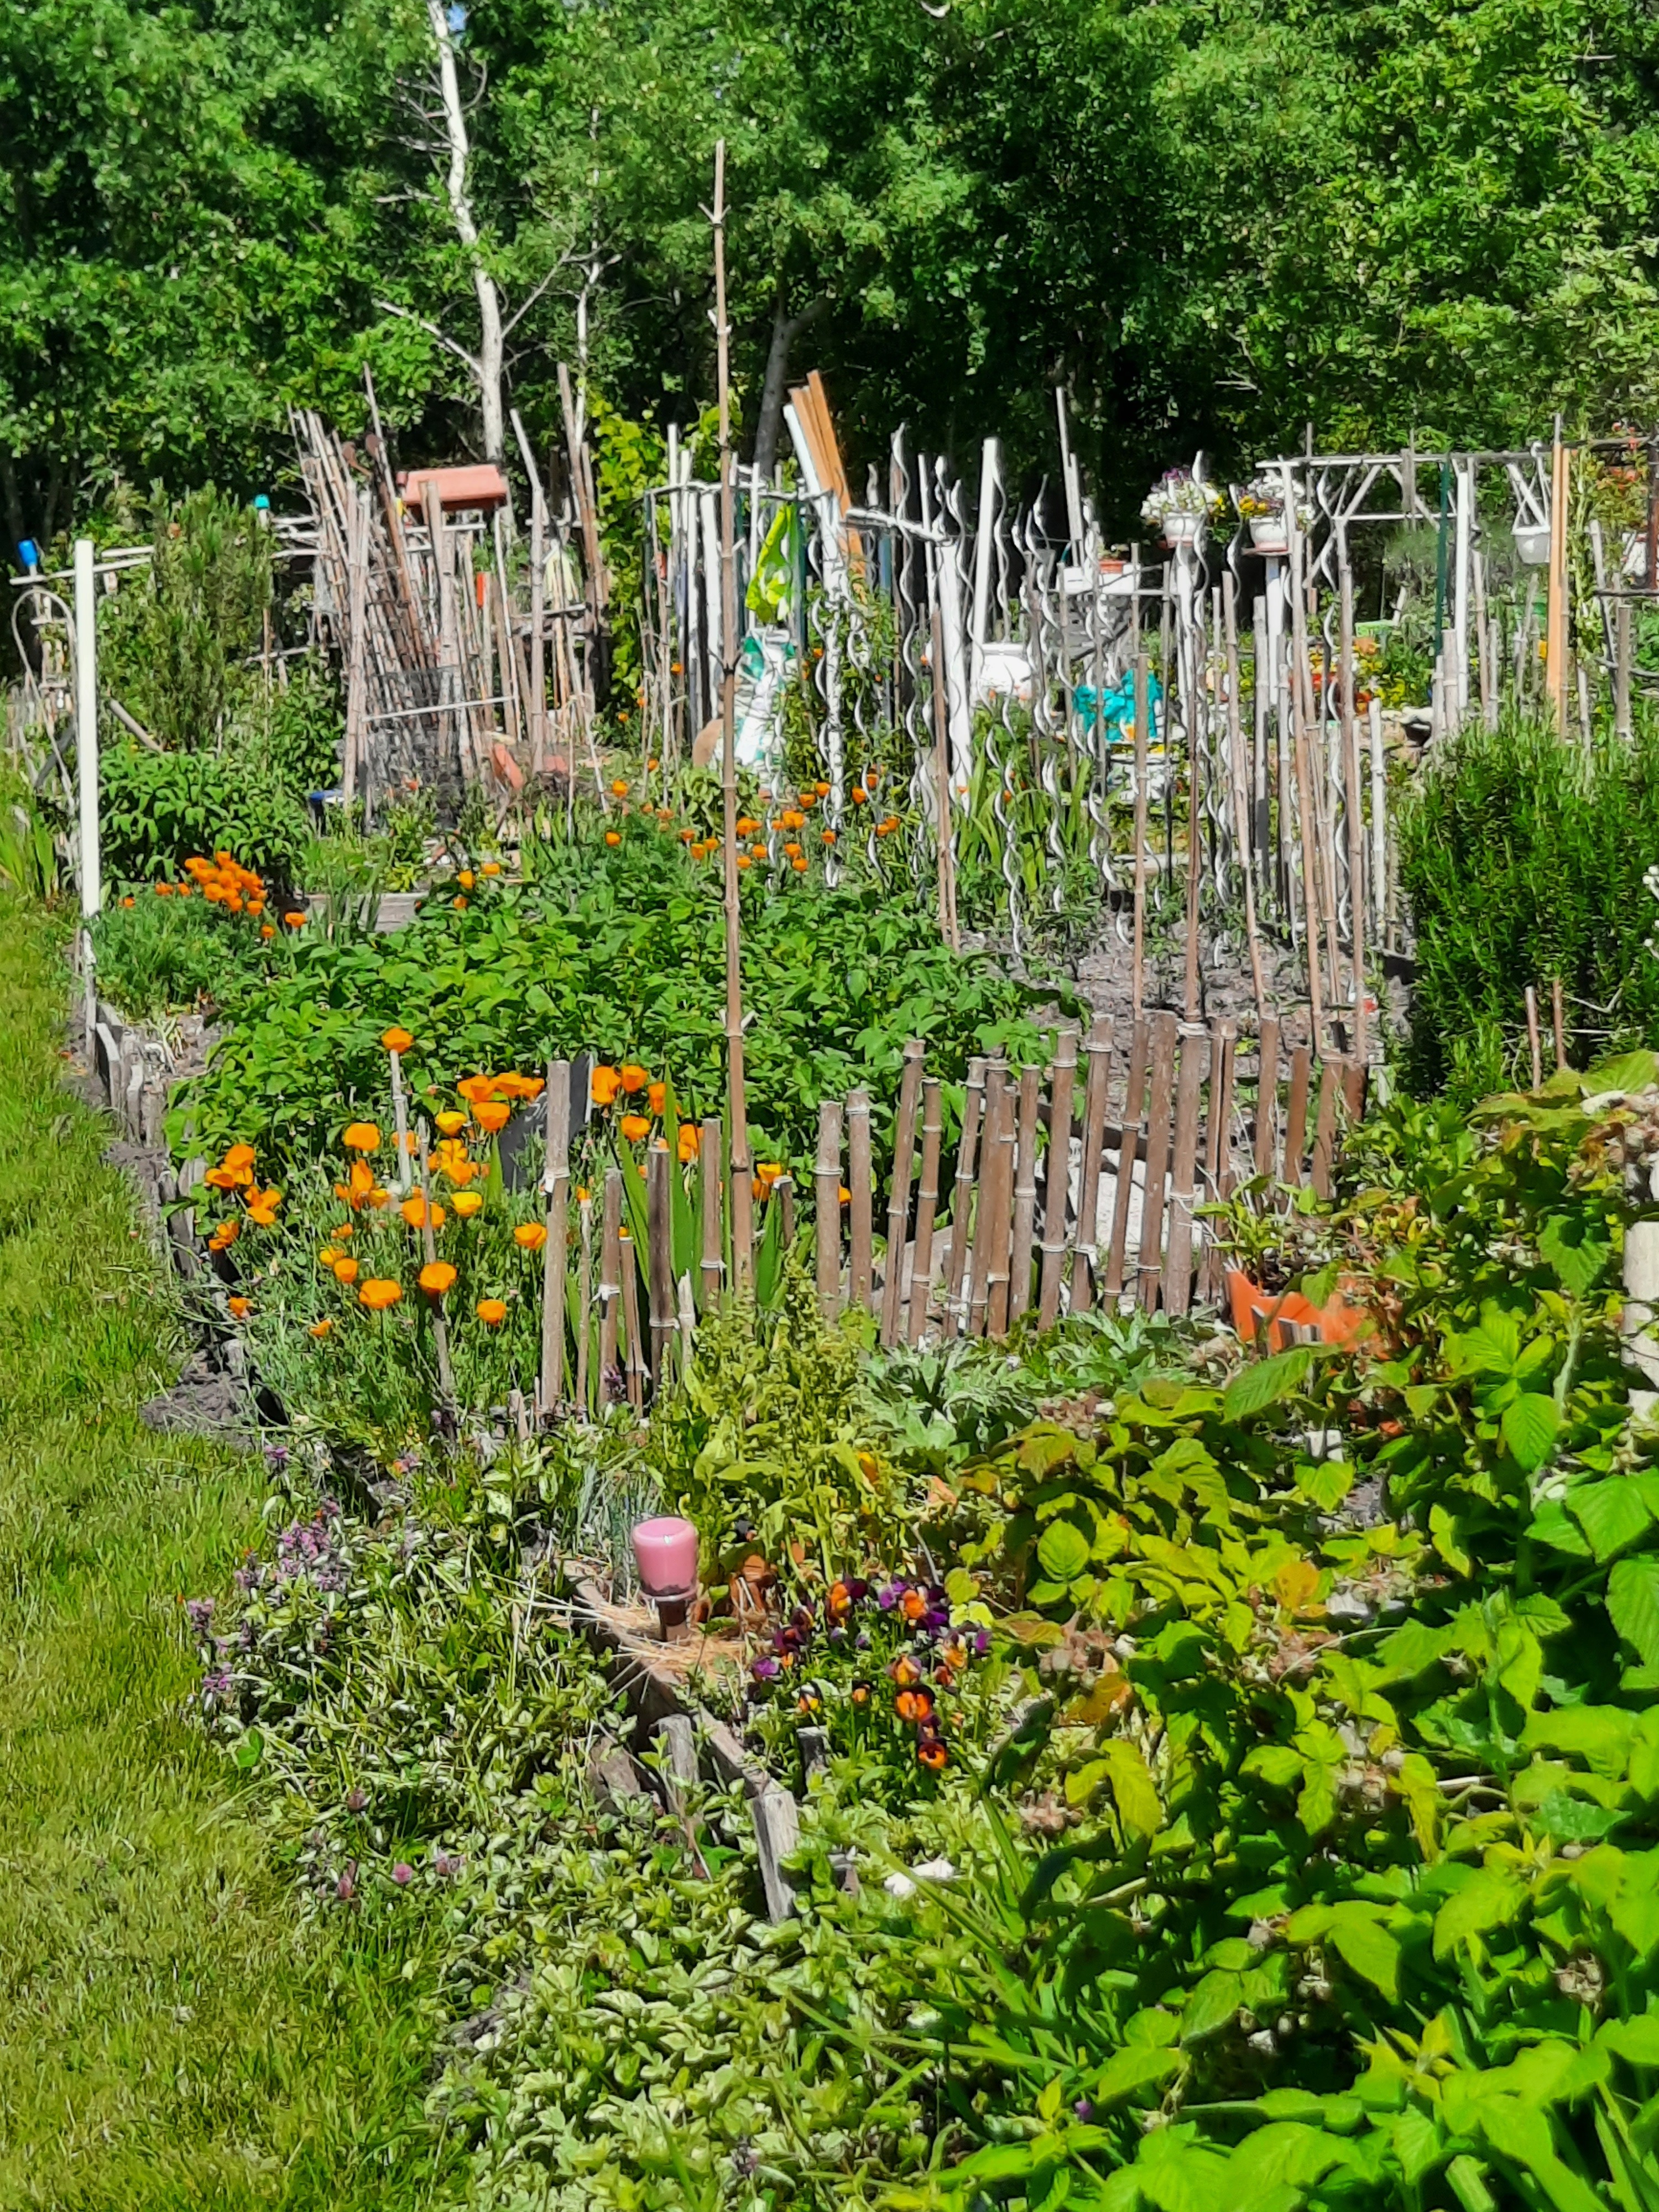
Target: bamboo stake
[(555, 1185), (1131, 1143), (826, 1197), (956, 1259), (1266, 1097), (998, 1185), (1195, 1065), (430, 1249), (1558, 1022), (1219, 1176), (1555, 650), (1138, 972), (921, 1257), (1296, 1115), (742, 1197), (1085, 1265), (1150, 1267), (634, 1365), (1534, 1044), (400, 1123), (898, 1202), (1061, 1079), (1324, 1143), (584, 1302), (711, 1265), (1350, 728), (610, 1283), (1025, 1192), (356, 725), (996, 1088), (1195, 842), (1379, 822), (861, 1225), (1238, 777), (660, 1237)]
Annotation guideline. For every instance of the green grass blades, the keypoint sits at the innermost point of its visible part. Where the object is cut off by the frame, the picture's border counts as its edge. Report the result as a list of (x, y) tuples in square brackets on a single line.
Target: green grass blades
[(171, 2033)]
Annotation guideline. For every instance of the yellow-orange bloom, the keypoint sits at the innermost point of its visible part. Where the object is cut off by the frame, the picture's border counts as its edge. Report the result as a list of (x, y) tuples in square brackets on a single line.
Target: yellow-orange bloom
[(490, 868), (619, 789), (529, 1236), (414, 1210), (437, 1277), (224, 1235), (346, 1270), (766, 1173), (466, 1203), (519, 1086), (294, 920), (633, 1077), (359, 1190), (691, 1143), (492, 1114), (466, 879), (657, 1094), (475, 1088), (379, 1292), (450, 1122), (396, 1040), (603, 1085), (612, 837), (239, 1158), (361, 1137), (239, 1308), (319, 1328), (492, 1312), (633, 1127), (327, 1256)]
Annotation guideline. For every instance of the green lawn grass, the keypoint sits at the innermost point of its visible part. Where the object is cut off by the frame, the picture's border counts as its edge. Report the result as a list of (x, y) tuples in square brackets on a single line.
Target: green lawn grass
[(171, 2032)]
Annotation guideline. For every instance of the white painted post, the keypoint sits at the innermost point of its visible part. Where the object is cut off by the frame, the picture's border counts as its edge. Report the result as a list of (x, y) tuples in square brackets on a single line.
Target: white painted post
[(85, 724), (1465, 547)]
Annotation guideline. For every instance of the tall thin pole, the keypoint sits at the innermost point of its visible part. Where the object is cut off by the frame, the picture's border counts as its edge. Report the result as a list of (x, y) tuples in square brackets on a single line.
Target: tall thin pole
[(1555, 638), (85, 762), (742, 1194)]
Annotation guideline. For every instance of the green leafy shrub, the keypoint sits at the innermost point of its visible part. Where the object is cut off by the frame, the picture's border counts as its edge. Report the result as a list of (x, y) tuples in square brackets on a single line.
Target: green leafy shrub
[(159, 810), (161, 955), (1522, 859)]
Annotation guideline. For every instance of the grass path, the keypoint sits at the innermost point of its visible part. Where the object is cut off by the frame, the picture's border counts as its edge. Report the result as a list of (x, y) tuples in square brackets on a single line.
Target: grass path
[(170, 2036)]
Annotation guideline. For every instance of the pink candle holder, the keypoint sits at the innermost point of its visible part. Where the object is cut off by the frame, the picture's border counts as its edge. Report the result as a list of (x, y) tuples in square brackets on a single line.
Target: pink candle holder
[(665, 1554)]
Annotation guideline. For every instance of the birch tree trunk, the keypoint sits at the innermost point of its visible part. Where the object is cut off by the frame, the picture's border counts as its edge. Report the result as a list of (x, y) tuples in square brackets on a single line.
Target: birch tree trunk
[(488, 361)]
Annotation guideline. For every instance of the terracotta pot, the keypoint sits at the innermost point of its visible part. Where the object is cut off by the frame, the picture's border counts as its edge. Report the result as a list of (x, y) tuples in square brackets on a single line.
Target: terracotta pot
[(1337, 1321)]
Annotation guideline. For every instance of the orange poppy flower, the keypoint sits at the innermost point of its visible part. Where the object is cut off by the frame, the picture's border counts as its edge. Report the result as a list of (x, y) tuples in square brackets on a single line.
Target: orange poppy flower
[(294, 920), (164, 890), (239, 1308), (459, 901), (466, 879), (224, 1235), (827, 837), (743, 860), (861, 796), (846, 1195), (791, 850), (396, 1040), (267, 929), (520, 1086), (766, 1173), (476, 1089), (799, 864), (378, 1293), (239, 1158), (450, 1122), (319, 1328), (490, 868), (346, 1270), (379, 1198), (603, 1085), (529, 1236), (414, 1210), (263, 1214), (492, 1114), (492, 1312), (633, 1127), (327, 1256), (691, 1143), (633, 1078), (613, 838), (466, 1203), (657, 1094), (437, 1277), (619, 787), (361, 1137)]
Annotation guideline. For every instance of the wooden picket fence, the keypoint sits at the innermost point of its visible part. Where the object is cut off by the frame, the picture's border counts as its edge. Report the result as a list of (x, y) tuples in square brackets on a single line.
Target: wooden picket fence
[(1074, 1188)]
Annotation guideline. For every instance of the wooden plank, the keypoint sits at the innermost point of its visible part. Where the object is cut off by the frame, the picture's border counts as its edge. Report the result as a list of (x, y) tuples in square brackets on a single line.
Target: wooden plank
[(584, 1298), (1195, 1061), (1099, 1050), (1025, 1192), (1000, 1171), (660, 1277), (555, 1185), (1219, 1169), (1266, 1097), (826, 1198), (634, 1366), (1324, 1143), (1062, 1077), (962, 1196), (1296, 1116), (921, 1255), (610, 1283), (996, 1094), (712, 1266), (860, 1263), (1131, 1146), (1150, 1267), (898, 1201)]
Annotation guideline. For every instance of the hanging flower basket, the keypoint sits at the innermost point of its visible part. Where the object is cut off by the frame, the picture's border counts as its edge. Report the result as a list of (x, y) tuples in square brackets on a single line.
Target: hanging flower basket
[(1532, 543)]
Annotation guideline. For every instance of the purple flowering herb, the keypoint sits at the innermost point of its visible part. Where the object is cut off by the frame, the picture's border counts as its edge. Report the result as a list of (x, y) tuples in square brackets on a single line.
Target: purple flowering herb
[(446, 1865), (862, 1643), (198, 1612), (276, 1456), (346, 1887), (215, 1686), (1083, 2109), (765, 1669), (403, 1874)]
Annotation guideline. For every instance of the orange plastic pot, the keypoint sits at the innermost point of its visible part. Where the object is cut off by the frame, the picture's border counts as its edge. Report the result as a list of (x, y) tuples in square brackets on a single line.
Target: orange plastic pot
[(1252, 1307)]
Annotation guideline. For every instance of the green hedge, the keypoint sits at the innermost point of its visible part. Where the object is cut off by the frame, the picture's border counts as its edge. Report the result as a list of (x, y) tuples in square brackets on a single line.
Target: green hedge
[(158, 809)]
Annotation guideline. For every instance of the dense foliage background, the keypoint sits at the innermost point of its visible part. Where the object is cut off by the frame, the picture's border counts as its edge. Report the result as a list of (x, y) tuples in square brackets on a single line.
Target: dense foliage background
[(1229, 215)]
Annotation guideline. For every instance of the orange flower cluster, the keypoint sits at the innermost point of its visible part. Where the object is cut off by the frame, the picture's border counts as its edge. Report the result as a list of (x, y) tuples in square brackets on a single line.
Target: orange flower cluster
[(224, 882), (235, 1173)]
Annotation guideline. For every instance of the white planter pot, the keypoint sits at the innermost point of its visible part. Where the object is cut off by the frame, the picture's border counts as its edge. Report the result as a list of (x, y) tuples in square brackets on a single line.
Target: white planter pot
[(1268, 533), (1634, 558), (1532, 542), (1183, 529)]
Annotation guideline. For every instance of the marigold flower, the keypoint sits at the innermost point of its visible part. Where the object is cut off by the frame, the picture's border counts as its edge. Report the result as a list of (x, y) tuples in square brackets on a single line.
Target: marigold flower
[(529, 1236), (319, 1328), (861, 796), (129, 901), (466, 879), (459, 901), (799, 864), (634, 1127), (602, 1086), (346, 1270), (294, 920), (633, 1077), (164, 890), (613, 838), (437, 1277), (691, 1143), (361, 1137), (415, 1210), (743, 860), (492, 1312), (396, 1040), (379, 1292), (791, 850), (239, 1308), (267, 929), (492, 1114), (759, 852), (490, 868), (619, 787), (826, 837), (466, 1203)]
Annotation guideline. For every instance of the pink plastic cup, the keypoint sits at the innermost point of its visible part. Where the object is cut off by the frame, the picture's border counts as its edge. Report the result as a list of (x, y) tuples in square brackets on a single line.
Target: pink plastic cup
[(666, 1552)]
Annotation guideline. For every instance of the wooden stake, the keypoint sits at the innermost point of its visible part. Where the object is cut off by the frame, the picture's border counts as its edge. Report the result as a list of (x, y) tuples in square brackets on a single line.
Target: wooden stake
[(996, 1089), (921, 1258), (1151, 1265), (712, 1266), (1195, 1064), (610, 1283), (1238, 776), (955, 1315), (634, 1365), (1352, 808), (859, 1276), (898, 1201), (1025, 1192), (1133, 1142), (584, 1302), (1534, 1044), (1296, 1115), (1137, 987), (1267, 1097), (997, 1184), (1622, 659), (1379, 822), (1085, 1264), (356, 726), (742, 1196), (556, 1186), (1219, 1176), (1559, 1022), (826, 1199), (1324, 1143), (1062, 1077), (429, 1249), (659, 1255), (400, 1123)]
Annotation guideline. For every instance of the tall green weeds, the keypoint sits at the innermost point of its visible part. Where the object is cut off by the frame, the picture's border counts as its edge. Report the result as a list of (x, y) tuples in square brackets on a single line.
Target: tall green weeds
[(1522, 859)]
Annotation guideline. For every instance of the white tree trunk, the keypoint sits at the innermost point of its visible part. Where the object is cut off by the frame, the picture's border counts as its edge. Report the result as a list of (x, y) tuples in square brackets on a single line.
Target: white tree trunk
[(487, 362)]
